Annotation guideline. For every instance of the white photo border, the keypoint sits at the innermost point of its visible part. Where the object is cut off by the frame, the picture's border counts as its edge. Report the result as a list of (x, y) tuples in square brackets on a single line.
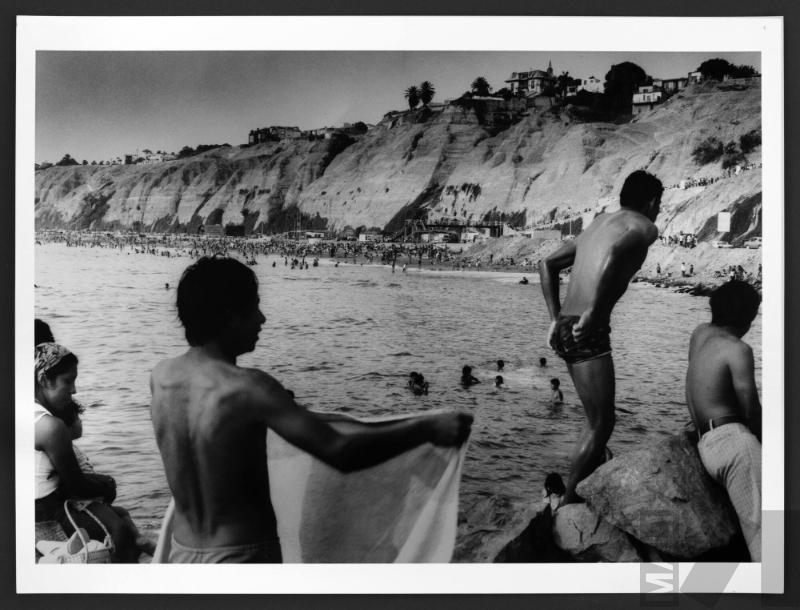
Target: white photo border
[(349, 33)]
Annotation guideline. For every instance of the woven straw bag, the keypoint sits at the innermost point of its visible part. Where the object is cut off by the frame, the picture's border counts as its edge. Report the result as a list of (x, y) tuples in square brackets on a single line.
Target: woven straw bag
[(79, 548)]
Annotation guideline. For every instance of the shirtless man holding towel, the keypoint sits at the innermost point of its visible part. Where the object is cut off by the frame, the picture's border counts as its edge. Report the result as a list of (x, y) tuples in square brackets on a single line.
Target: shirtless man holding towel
[(211, 418)]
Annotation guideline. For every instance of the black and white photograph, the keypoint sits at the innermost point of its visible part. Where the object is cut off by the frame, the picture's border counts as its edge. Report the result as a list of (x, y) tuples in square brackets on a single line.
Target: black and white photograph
[(352, 296)]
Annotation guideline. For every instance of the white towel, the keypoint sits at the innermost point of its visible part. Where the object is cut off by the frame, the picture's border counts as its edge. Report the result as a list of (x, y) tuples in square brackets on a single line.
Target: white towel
[(403, 510)]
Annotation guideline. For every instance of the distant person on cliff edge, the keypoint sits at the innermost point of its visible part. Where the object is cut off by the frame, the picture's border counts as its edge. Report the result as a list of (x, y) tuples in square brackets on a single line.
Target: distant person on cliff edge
[(723, 401), (211, 418), (603, 258)]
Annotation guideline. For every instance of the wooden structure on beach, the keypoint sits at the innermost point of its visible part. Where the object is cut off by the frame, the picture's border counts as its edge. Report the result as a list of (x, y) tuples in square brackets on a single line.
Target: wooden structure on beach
[(414, 229)]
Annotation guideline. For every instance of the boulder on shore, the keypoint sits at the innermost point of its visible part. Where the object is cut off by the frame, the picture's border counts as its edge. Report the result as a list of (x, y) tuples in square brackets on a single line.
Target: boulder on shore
[(535, 544), (663, 497), (586, 536)]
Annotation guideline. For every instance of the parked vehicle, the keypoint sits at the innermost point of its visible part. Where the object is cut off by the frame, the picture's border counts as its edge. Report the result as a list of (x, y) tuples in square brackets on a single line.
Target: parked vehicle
[(753, 242)]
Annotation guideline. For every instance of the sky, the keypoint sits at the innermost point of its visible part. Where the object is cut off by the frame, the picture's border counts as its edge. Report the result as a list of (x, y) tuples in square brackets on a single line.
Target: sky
[(98, 105)]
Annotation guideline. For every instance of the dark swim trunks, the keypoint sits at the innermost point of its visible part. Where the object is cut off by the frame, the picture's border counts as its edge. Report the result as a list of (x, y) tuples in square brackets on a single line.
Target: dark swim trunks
[(595, 345)]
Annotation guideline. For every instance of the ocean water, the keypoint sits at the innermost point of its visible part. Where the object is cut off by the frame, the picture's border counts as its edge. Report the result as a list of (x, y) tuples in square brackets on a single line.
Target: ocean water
[(345, 338)]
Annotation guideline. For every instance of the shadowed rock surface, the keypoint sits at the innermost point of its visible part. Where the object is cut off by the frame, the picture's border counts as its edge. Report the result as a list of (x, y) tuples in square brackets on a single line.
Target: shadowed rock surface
[(663, 497), (588, 537)]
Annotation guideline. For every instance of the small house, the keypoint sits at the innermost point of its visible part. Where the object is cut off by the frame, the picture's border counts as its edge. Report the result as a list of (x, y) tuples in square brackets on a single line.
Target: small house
[(591, 84), (646, 98), (532, 82)]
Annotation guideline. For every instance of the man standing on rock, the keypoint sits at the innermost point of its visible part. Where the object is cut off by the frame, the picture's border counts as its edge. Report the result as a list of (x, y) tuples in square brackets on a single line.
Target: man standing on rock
[(604, 258), (723, 402)]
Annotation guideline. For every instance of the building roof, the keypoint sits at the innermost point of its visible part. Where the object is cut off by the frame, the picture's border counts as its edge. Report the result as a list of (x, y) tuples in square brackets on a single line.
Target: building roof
[(515, 76)]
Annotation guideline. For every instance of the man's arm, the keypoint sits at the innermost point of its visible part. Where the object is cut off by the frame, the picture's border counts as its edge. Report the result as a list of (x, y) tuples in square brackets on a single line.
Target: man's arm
[(349, 452), (549, 270), (742, 370), (622, 259)]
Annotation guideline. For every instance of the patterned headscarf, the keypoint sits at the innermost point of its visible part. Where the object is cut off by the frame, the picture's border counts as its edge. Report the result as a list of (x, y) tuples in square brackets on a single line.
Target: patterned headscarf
[(47, 355)]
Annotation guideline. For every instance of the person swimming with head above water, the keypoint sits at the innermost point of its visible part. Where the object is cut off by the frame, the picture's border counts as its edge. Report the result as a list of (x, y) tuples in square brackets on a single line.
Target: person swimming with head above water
[(211, 417), (417, 383), (556, 395), (498, 381), (466, 377)]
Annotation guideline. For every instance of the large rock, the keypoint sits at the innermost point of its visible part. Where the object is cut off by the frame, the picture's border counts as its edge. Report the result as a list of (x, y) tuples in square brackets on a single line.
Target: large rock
[(486, 526), (588, 537), (663, 497), (535, 544)]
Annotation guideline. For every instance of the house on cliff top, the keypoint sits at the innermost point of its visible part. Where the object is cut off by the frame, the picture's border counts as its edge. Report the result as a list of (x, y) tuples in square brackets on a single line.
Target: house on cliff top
[(645, 98), (273, 133), (591, 84), (531, 83)]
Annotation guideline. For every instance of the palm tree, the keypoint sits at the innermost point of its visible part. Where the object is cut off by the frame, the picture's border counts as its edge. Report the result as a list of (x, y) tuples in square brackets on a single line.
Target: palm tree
[(426, 92), (563, 81), (412, 95), (480, 86)]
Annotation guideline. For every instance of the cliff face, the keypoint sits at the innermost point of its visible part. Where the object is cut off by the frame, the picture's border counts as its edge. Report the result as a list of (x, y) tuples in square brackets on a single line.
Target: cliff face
[(550, 164)]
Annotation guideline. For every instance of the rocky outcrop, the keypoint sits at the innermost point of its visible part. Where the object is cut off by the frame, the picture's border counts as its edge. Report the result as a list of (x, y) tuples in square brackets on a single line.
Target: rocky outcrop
[(663, 497), (586, 536), (535, 544), (443, 161), (654, 504)]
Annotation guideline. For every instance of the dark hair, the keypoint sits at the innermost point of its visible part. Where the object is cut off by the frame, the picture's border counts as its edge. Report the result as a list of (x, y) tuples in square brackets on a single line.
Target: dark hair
[(466, 370), (211, 290), (735, 304), (42, 332), (500, 364), (542, 361), (555, 381), (63, 366), (554, 484), (71, 413), (639, 188), (498, 378)]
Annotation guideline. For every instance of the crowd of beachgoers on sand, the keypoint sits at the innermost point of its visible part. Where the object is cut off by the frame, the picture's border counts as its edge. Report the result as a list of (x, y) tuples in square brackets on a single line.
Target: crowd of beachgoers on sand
[(440, 256)]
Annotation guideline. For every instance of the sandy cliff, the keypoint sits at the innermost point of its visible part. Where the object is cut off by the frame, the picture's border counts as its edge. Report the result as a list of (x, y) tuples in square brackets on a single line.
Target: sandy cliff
[(549, 164)]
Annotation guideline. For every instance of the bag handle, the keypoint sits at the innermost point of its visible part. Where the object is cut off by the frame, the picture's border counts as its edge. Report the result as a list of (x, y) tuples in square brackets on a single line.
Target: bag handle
[(85, 548)]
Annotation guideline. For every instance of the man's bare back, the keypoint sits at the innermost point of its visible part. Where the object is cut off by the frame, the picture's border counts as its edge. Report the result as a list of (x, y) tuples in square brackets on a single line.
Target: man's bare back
[(211, 419), (591, 283), (603, 258), (214, 450), (720, 379), (723, 401)]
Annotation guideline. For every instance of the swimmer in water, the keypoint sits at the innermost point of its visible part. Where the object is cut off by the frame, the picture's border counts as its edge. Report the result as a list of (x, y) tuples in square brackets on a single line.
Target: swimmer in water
[(557, 396), (417, 383), (498, 381), (166, 286), (466, 377), (542, 362), (500, 365)]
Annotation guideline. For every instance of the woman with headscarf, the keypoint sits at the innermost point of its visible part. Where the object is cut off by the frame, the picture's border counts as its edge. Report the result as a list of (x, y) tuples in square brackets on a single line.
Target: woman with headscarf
[(58, 474)]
